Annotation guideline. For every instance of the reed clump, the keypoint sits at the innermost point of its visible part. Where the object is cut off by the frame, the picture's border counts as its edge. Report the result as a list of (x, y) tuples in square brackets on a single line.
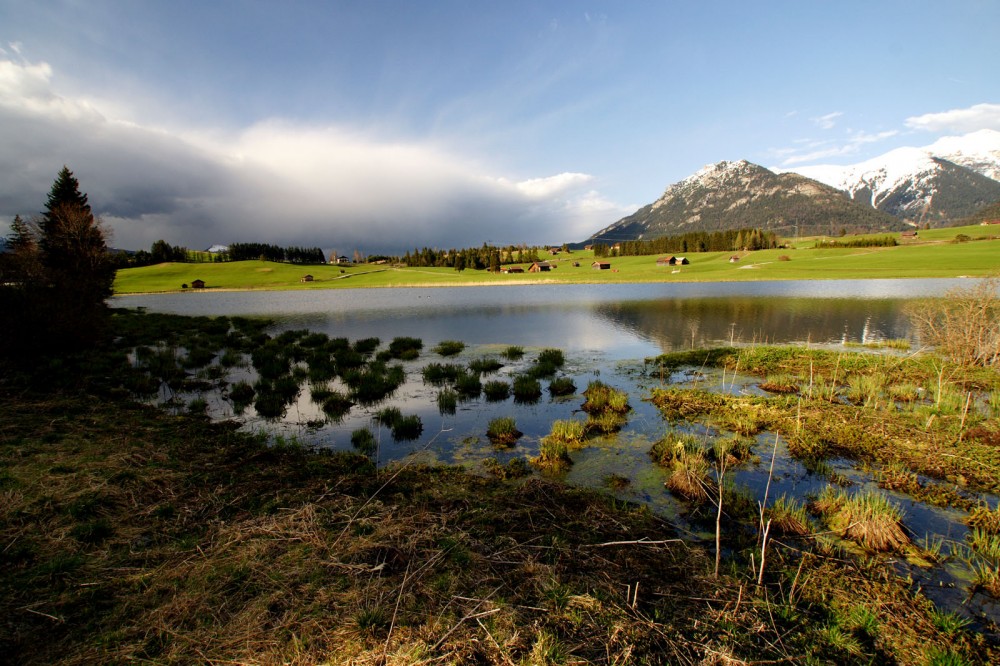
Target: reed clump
[(449, 348), (869, 518), (502, 431)]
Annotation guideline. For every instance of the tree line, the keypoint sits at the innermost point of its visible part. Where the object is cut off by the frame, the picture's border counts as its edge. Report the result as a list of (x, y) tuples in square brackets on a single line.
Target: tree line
[(487, 257), (268, 252), (55, 276), (695, 241)]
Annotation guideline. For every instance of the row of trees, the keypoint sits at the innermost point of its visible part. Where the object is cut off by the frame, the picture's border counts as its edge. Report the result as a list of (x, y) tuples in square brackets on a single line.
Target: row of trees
[(487, 257), (292, 255), (55, 276), (697, 241)]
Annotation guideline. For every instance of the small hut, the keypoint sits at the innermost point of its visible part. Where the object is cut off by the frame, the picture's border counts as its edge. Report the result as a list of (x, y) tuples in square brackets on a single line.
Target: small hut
[(197, 284), (601, 265), (306, 278)]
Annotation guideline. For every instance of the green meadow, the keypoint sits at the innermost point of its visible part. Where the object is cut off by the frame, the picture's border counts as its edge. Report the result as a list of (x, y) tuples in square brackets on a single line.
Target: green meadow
[(935, 253)]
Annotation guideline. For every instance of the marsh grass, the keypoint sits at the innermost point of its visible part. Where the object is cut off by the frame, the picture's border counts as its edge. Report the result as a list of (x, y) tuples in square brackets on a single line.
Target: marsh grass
[(374, 383), (572, 433), (689, 475), (788, 516), (449, 348), (601, 398), (403, 428), (502, 431), (336, 405), (515, 468), (442, 373), (561, 386), (868, 518), (496, 390), (468, 386), (484, 366), (526, 389), (513, 353), (364, 441), (553, 455), (447, 401), (984, 518), (780, 383), (405, 348)]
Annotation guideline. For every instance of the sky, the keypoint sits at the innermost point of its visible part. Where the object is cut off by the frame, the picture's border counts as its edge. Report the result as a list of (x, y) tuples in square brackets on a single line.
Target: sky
[(383, 125)]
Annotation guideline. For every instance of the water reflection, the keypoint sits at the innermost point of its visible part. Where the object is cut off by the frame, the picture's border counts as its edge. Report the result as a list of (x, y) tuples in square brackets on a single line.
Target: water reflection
[(623, 320)]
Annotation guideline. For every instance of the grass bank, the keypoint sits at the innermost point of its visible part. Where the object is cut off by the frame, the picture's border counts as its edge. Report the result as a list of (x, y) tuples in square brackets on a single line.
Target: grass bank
[(131, 535), (934, 255)]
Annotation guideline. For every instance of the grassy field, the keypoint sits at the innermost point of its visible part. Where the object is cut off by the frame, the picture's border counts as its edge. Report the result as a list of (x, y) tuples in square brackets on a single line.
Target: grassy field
[(934, 254)]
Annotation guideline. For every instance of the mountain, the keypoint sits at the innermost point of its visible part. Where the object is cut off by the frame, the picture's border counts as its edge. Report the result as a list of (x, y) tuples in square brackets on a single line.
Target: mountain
[(945, 181), (733, 195)]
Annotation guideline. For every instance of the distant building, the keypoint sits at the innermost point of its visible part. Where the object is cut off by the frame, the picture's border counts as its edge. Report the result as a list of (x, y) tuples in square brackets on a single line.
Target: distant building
[(540, 267), (306, 278), (197, 284), (511, 269), (601, 265)]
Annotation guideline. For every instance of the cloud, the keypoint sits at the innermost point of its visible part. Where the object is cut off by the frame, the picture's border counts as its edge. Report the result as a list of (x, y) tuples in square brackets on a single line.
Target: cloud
[(976, 117), (274, 181), (816, 151), (828, 121)]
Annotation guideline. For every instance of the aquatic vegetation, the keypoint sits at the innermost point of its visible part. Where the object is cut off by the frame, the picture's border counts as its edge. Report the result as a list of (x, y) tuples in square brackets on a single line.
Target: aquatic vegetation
[(364, 441), (402, 427), (405, 348), (496, 390), (868, 518), (241, 393), (606, 422), (366, 346), (502, 431), (788, 516), (374, 383), (553, 455), (562, 386), (569, 432), (602, 398), (515, 468), (447, 401), (449, 348), (513, 353), (551, 356), (986, 519), (468, 386), (484, 366), (526, 389), (689, 476), (441, 373), (780, 383), (336, 405)]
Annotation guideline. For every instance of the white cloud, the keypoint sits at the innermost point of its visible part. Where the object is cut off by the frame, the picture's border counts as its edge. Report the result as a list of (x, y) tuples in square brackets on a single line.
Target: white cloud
[(274, 181), (537, 188), (852, 145), (976, 117), (829, 121)]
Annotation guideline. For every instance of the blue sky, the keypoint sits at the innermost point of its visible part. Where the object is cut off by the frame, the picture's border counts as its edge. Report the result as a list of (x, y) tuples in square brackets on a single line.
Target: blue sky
[(382, 126)]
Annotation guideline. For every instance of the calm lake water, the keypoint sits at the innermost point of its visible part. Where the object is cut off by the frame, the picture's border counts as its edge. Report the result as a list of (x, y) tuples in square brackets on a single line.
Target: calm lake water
[(622, 321), (605, 332)]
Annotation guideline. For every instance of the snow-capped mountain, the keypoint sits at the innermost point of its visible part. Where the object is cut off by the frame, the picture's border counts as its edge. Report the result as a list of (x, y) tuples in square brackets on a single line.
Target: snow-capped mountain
[(947, 180), (735, 195)]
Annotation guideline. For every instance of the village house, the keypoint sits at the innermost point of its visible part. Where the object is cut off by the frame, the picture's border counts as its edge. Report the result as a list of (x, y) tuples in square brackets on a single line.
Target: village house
[(601, 265), (909, 234), (197, 284), (306, 278), (540, 267), (511, 269)]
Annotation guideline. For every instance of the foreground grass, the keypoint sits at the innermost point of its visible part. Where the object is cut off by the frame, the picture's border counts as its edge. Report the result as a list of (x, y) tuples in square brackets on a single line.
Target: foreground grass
[(936, 256)]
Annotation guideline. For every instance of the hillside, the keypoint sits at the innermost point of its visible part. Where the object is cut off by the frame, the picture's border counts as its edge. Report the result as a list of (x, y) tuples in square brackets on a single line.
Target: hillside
[(733, 195)]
